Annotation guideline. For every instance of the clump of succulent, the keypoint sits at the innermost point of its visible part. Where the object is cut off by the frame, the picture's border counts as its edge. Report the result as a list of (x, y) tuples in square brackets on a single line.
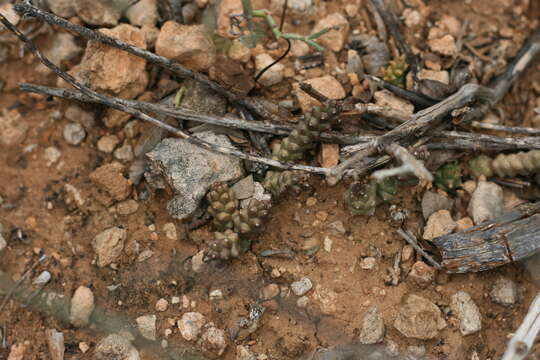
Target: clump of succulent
[(294, 147), (232, 224), (448, 177), (362, 199), (396, 71), (506, 165)]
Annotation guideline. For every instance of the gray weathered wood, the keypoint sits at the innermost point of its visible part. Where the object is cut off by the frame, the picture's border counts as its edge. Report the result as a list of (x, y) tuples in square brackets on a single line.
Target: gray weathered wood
[(513, 236)]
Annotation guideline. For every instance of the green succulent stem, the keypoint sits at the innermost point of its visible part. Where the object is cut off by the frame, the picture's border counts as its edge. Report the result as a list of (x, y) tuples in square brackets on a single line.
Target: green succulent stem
[(249, 14)]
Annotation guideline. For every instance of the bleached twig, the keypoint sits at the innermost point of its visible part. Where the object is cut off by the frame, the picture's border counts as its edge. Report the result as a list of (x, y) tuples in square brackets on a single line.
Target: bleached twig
[(410, 164), (523, 339)]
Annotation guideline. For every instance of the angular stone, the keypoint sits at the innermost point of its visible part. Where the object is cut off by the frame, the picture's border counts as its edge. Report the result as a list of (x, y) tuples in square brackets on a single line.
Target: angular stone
[(144, 12), (115, 346), (147, 326), (13, 129), (273, 75), (487, 202), (445, 45), (97, 12), (55, 343), (213, 339), (189, 45), (301, 287), (326, 85), (433, 202), (190, 170), (337, 36), (108, 245), (112, 70), (190, 325), (109, 177), (470, 320), (439, 223), (419, 318), (386, 98), (422, 273), (504, 292), (372, 327)]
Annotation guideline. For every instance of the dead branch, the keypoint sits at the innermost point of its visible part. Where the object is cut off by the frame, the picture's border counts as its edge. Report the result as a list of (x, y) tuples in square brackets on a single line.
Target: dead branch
[(409, 165), (511, 237), (523, 340), (25, 8), (508, 129), (407, 236), (121, 105)]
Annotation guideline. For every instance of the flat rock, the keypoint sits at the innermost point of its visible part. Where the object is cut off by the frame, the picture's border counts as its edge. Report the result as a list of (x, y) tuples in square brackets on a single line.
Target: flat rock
[(419, 318), (433, 202), (189, 45), (372, 327), (440, 76), (190, 325), (273, 75), (387, 99), (112, 70), (326, 85), (108, 245), (147, 326), (82, 306), (337, 36), (109, 178), (13, 128), (201, 99), (190, 170), (470, 320), (244, 188), (504, 292), (115, 346), (486, 203), (445, 45), (97, 12)]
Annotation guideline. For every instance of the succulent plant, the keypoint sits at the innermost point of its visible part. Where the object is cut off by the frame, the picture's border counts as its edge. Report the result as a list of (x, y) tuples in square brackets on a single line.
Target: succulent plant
[(223, 206), (250, 218), (361, 200), (387, 188), (224, 246), (506, 165), (448, 177), (395, 71), (276, 182)]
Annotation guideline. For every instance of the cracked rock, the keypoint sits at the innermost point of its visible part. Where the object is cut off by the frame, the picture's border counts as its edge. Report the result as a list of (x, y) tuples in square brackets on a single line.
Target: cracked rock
[(190, 170)]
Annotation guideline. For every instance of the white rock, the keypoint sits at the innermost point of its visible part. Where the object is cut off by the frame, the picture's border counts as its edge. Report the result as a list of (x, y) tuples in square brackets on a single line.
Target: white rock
[(272, 76), (467, 312), (368, 263), (147, 326), (82, 306), (487, 202), (301, 287), (162, 305), (190, 325), (55, 342), (74, 133), (52, 155), (124, 153), (170, 231), (504, 292)]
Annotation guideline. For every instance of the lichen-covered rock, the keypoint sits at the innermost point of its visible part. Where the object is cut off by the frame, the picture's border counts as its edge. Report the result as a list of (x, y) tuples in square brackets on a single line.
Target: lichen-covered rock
[(190, 170), (112, 70), (188, 45)]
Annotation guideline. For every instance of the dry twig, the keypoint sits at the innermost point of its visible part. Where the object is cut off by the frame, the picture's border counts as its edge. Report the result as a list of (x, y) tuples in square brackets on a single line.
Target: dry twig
[(523, 339)]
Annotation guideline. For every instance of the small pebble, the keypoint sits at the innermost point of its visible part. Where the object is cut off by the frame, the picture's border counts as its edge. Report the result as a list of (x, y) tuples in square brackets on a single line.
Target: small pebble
[(190, 325), (107, 143), (368, 263), (162, 305), (74, 133), (147, 326), (301, 287), (82, 306)]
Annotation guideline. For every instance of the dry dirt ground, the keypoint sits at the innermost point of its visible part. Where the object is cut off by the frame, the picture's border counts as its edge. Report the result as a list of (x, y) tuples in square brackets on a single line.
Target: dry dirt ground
[(344, 290)]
